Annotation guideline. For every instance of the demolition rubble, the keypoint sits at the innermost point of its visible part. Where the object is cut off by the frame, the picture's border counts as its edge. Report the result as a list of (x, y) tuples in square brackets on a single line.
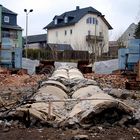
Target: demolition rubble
[(66, 99)]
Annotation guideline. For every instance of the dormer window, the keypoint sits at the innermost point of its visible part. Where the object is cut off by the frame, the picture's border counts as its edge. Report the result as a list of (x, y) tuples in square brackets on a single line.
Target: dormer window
[(55, 21), (66, 19), (6, 19)]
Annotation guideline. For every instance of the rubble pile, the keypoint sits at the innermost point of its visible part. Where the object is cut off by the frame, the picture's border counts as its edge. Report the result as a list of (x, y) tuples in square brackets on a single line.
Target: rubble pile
[(114, 85), (68, 99), (15, 88), (108, 80), (16, 80)]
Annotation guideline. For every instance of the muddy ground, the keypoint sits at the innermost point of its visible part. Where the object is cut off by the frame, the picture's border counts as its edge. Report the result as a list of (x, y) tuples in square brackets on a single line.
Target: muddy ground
[(13, 89)]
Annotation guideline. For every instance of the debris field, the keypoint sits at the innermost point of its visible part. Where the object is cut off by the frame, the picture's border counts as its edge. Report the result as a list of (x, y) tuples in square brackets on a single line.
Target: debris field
[(69, 103)]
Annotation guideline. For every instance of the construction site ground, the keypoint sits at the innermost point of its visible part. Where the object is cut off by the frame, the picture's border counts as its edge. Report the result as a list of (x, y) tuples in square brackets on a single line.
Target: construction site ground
[(16, 87), (94, 133)]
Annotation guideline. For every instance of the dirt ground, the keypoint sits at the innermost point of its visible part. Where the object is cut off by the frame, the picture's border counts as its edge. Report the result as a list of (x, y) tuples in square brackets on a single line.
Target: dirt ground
[(94, 133), (15, 84)]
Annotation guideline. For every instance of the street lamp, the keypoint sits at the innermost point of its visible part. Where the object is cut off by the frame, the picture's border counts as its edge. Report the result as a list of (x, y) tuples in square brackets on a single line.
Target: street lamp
[(95, 41), (27, 13)]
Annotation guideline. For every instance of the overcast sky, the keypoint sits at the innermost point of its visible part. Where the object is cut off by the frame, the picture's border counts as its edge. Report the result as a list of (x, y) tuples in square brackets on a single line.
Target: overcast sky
[(119, 13)]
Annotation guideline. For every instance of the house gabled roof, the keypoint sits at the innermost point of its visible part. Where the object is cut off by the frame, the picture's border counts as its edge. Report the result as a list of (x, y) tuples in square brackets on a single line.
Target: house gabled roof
[(16, 27), (59, 47), (5, 10), (74, 16), (37, 38), (129, 30)]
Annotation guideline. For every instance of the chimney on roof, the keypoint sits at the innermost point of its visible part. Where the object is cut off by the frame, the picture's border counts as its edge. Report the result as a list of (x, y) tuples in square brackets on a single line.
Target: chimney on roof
[(77, 7)]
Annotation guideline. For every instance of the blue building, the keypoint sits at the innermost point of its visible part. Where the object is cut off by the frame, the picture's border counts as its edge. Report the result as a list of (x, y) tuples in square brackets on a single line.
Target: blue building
[(10, 39)]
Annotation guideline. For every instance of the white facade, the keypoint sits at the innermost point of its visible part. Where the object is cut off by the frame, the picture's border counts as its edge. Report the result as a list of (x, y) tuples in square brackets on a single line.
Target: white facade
[(75, 35)]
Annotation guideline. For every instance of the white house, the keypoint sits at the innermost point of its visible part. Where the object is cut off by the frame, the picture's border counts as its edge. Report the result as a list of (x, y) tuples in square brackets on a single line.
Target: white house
[(82, 28)]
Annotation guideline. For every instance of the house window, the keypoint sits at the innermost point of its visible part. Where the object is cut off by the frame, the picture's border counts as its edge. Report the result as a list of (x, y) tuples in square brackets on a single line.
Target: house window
[(87, 21), (10, 34), (66, 19), (65, 32), (91, 20), (96, 22), (6, 19), (71, 31)]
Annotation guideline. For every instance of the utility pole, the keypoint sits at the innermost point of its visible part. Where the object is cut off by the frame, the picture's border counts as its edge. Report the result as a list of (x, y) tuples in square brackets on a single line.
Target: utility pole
[(27, 13), (95, 41)]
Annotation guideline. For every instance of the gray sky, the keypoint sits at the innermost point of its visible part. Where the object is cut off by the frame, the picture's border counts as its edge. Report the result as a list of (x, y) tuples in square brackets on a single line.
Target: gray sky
[(119, 13)]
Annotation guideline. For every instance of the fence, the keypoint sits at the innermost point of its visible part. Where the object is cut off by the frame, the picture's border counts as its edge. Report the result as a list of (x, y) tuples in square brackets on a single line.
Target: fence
[(66, 55)]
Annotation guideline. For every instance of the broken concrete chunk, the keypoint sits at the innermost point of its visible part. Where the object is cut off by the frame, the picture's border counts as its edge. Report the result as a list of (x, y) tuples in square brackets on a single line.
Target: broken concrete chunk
[(80, 137), (55, 83), (85, 92)]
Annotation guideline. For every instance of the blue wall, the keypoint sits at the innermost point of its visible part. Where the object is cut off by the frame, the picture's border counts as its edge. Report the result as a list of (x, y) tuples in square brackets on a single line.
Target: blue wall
[(10, 55), (122, 58), (18, 57), (129, 56)]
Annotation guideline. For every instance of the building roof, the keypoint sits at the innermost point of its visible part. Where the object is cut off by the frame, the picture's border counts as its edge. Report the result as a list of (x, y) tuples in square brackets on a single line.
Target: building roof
[(128, 33), (59, 47), (5, 10), (74, 16), (37, 38), (16, 27)]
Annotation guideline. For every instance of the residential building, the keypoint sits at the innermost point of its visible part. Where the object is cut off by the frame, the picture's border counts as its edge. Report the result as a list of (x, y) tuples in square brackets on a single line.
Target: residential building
[(127, 35), (84, 29), (36, 41), (40, 42), (10, 39)]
